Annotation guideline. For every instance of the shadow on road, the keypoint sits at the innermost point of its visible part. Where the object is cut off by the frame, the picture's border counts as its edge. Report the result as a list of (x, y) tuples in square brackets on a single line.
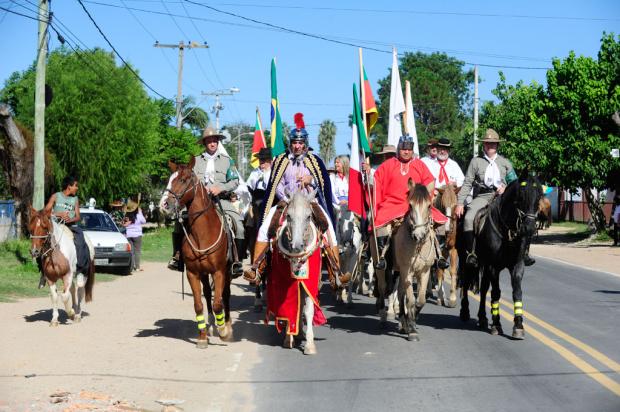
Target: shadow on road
[(45, 315), (180, 329)]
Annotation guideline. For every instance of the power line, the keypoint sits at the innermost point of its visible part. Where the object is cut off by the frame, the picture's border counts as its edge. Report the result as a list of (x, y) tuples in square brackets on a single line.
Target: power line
[(118, 54)]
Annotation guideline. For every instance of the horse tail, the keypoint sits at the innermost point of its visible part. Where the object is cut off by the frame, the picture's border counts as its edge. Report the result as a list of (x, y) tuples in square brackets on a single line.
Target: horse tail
[(90, 281)]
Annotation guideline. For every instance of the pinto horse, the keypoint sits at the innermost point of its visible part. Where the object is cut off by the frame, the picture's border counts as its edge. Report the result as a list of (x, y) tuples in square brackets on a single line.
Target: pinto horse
[(501, 243), (204, 251), (447, 205), (414, 253), (52, 245)]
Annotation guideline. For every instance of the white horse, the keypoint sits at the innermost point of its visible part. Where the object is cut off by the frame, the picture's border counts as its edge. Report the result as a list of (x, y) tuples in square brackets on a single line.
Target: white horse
[(53, 244), (414, 253), (349, 239)]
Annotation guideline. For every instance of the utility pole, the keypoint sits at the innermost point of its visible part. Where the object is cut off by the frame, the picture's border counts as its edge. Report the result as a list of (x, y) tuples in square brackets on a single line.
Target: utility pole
[(39, 108), (181, 46), (476, 102), (219, 106)]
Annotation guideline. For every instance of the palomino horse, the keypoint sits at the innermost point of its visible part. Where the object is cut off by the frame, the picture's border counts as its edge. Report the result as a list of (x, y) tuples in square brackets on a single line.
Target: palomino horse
[(52, 245), (295, 278), (204, 251), (349, 239), (414, 253), (501, 243), (447, 204)]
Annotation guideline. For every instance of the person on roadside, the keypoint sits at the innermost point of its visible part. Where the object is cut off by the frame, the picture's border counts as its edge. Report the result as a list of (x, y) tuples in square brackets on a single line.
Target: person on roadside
[(616, 219), (133, 221)]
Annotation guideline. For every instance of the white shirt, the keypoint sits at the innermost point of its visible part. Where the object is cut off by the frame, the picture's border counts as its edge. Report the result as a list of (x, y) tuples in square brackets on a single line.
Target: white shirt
[(340, 188), (492, 176), (210, 171), (258, 179), (453, 170), (429, 162)]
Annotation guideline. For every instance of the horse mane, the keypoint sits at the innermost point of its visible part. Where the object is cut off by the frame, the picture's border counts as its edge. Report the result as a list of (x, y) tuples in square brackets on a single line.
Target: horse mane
[(448, 197), (419, 194)]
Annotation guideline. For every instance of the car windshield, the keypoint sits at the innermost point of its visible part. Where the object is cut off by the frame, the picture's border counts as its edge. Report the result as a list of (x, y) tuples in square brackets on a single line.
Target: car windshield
[(97, 222)]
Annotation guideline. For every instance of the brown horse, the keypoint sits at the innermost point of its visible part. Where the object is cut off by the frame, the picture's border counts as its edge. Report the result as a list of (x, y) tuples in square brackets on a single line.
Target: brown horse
[(204, 250), (52, 246), (543, 216), (447, 204)]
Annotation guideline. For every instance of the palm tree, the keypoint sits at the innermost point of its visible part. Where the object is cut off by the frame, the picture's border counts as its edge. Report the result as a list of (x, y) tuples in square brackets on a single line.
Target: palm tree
[(327, 135), (193, 116)]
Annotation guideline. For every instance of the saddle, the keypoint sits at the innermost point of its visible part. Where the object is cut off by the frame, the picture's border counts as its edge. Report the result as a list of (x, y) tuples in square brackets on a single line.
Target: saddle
[(480, 219)]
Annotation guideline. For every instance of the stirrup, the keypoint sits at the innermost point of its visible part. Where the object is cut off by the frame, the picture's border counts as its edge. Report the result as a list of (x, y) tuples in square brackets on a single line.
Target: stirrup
[(472, 259), (381, 264), (442, 263), (42, 282), (173, 264), (252, 275), (236, 270), (344, 278)]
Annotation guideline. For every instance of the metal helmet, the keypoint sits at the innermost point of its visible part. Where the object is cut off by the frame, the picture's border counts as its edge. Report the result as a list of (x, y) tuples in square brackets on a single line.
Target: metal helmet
[(299, 133), (405, 141)]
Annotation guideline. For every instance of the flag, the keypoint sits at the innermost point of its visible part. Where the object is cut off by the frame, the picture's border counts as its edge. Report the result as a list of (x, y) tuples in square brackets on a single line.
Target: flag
[(397, 104), (359, 148), (277, 139), (409, 119), (259, 141), (368, 104)]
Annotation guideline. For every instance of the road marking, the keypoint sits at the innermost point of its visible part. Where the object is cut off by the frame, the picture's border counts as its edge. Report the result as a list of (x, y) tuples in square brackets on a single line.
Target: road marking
[(236, 361), (564, 262), (572, 358)]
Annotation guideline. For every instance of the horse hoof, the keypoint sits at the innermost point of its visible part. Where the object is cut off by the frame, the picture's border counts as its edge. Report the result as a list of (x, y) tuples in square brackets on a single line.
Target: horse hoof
[(496, 330), (413, 337), (288, 342), (518, 334), (53, 323), (464, 316), (451, 303), (483, 324), (77, 318), (310, 349), (202, 343)]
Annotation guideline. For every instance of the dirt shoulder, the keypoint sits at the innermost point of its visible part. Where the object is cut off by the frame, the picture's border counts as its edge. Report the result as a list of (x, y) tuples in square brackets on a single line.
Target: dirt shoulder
[(560, 244)]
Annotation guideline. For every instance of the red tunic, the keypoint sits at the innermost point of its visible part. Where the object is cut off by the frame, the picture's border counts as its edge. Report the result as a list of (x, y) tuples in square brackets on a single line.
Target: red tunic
[(391, 189)]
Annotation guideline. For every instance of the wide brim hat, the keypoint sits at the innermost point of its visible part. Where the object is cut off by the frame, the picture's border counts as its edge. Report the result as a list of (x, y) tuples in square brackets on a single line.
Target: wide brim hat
[(491, 136), (208, 132), (117, 203), (132, 205), (387, 149), (264, 154), (443, 142), (431, 142)]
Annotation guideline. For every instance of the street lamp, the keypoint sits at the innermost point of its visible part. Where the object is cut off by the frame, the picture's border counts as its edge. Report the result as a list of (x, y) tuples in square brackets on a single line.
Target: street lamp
[(219, 106), (241, 160)]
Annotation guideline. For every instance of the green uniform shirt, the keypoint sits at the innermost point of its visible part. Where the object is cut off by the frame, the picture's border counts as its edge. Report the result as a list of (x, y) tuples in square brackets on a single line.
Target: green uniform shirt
[(476, 170)]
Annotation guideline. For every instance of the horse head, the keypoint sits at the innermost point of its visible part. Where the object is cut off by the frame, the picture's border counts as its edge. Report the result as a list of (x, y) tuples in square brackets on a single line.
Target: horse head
[(527, 200), (298, 234), (41, 228), (182, 187), (448, 201), (419, 215)]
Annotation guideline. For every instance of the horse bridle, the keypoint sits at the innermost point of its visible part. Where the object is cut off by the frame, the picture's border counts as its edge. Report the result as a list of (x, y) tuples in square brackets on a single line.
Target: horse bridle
[(46, 243), (296, 258)]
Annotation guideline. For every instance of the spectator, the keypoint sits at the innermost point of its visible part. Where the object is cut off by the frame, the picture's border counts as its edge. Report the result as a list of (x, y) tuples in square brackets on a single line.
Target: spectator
[(616, 219), (134, 219)]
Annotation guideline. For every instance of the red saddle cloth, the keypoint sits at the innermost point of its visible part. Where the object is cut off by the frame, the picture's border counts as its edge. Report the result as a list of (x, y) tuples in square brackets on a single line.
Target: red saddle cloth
[(438, 217), (284, 292)]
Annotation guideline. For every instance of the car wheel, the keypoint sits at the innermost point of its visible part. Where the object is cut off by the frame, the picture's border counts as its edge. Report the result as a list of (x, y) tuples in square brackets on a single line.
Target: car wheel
[(126, 271)]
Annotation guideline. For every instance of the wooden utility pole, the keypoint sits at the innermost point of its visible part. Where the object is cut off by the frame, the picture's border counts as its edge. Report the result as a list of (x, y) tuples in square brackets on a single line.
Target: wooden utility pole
[(476, 102), (39, 109), (181, 46)]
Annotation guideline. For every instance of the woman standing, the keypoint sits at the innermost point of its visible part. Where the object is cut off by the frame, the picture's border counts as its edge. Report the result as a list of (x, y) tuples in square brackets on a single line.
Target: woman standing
[(340, 182), (134, 219)]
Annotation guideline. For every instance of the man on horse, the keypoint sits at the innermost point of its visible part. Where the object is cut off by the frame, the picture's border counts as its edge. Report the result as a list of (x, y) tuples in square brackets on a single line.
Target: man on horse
[(488, 175), (445, 170), (297, 169), (65, 206), (431, 153), (259, 178)]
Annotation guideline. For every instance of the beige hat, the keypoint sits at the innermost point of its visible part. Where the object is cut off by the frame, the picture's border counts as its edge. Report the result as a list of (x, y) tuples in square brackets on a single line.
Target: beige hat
[(491, 136), (208, 132), (131, 205), (387, 149)]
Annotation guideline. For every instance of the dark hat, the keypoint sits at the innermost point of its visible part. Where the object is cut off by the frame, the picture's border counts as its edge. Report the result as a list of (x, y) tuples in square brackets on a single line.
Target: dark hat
[(431, 143), (264, 154), (443, 142), (491, 136), (208, 132)]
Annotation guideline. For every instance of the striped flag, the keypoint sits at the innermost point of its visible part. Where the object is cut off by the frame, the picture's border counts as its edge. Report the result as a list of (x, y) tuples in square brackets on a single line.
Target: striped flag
[(359, 148), (368, 103), (277, 137), (259, 141)]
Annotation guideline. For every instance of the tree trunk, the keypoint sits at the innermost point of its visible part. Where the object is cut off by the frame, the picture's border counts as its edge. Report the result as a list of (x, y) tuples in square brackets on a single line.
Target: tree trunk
[(596, 209)]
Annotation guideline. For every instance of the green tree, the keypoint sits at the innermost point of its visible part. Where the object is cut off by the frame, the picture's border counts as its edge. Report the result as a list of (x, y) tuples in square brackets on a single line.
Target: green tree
[(101, 125), (327, 135), (193, 116)]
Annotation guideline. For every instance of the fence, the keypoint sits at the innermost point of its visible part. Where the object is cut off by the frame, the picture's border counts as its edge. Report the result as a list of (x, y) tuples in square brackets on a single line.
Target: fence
[(7, 220)]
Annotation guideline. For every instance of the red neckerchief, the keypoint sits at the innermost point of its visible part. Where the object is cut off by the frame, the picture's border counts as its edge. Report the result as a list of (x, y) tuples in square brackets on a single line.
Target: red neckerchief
[(443, 176)]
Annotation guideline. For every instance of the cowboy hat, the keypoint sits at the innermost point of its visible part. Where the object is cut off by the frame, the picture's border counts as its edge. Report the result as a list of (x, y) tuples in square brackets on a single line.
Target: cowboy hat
[(431, 143), (387, 149), (131, 205), (264, 154), (443, 142), (208, 132), (117, 203), (491, 136)]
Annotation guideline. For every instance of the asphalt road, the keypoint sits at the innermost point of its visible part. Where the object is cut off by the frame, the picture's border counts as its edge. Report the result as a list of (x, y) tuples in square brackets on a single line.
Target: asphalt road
[(137, 344)]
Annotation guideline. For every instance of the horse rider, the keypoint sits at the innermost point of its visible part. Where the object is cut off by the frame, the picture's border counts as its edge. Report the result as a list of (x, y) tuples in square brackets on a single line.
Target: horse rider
[(259, 178), (445, 170), (391, 196), (217, 171), (65, 206), (296, 169), (431, 153), (488, 175)]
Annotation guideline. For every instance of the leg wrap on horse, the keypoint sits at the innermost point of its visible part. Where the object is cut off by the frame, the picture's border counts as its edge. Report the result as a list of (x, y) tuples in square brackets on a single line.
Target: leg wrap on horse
[(518, 306), (200, 320)]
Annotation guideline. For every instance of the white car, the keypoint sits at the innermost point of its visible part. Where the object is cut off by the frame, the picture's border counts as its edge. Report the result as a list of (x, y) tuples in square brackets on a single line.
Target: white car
[(112, 250)]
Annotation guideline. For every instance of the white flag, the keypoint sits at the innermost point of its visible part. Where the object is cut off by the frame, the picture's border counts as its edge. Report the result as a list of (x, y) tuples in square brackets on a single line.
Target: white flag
[(397, 104), (409, 120)]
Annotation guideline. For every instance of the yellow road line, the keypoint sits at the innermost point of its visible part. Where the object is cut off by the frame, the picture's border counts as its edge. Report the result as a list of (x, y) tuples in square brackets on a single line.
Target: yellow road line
[(611, 364), (575, 360)]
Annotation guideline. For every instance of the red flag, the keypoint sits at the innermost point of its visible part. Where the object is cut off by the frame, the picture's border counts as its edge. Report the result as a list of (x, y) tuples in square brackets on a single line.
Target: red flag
[(259, 140)]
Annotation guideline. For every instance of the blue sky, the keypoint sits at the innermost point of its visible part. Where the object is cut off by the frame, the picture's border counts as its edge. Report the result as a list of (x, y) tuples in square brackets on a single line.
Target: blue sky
[(314, 76)]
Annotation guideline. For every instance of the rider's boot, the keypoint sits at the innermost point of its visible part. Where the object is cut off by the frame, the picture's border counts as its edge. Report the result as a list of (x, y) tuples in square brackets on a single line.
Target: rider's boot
[(342, 277), (527, 259), (472, 259), (381, 264), (441, 261), (177, 239), (254, 274), (42, 281), (237, 267)]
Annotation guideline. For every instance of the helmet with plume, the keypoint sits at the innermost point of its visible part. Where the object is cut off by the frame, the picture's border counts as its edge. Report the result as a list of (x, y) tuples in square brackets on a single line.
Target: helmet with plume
[(299, 133)]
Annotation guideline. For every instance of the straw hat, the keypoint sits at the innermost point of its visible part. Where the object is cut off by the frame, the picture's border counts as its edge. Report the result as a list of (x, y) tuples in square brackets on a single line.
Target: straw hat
[(131, 205), (491, 136), (387, 149), (208, 132)]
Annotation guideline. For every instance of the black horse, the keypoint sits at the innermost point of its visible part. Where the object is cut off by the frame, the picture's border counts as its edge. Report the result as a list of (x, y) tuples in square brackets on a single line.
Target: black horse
[(502, 243), (251, 226)]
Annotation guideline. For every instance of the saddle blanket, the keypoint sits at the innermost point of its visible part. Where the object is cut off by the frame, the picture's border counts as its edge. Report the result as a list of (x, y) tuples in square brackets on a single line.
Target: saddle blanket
[(284, 292)]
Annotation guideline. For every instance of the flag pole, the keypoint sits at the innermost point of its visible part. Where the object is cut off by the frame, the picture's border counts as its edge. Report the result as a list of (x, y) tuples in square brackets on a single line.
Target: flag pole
[(407, 93), (371, 200)]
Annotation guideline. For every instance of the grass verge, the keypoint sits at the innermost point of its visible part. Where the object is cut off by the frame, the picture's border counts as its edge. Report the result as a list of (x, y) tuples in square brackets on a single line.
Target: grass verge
[(157, 244)]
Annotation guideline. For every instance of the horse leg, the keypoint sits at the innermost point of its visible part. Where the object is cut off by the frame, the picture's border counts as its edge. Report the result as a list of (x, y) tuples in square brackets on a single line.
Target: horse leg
[(66, 295), (421, 300), (226, 298), (440, 292), (402, 316), (393, 302), (411, 309), (54, 296), (219, 279), (78, 296), (207, 292), (483, 322), (258, 301), (380, 302), (310, 348), (454, 277), (194, 283), (516, 277)]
